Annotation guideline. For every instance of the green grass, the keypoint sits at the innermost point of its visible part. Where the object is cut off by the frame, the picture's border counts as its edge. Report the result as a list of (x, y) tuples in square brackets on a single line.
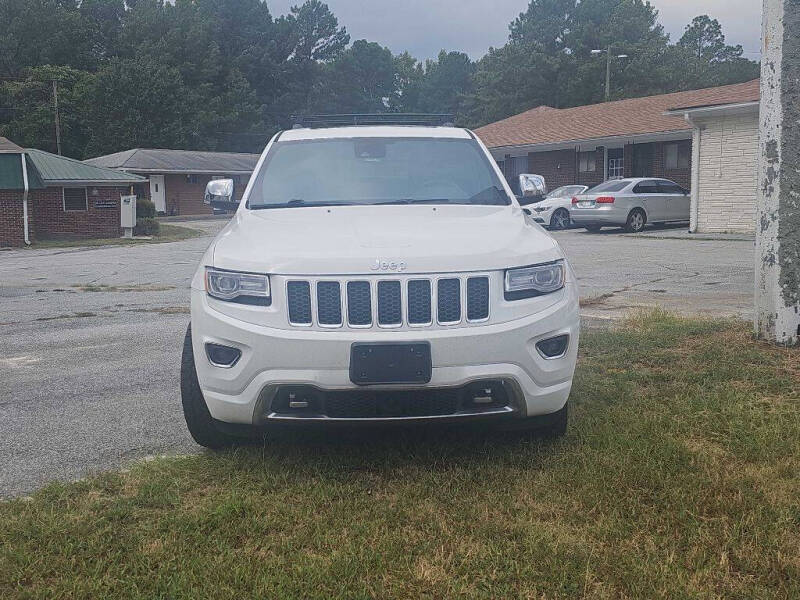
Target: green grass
[(167, 233), (679, 478)]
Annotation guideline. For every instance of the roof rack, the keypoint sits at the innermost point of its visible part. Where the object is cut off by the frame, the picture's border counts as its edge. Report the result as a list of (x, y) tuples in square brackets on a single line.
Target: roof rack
[(429, 119)]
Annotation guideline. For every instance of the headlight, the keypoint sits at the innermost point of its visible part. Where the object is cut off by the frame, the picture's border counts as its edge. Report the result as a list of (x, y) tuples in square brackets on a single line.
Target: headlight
[(541, 208), (535, 280), (233, 286)]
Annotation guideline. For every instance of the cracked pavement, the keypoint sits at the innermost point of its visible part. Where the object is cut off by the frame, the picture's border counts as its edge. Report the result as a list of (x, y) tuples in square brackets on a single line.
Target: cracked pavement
[(90, 338)]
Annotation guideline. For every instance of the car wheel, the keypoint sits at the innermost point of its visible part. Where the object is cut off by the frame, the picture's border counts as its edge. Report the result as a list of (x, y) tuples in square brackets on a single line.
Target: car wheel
[(560, 219), (195, 411), (636, 221), (553, 425), (592, 228)]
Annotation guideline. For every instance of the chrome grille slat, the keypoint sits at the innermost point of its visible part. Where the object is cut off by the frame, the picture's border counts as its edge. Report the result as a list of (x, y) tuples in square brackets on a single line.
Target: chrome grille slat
[(388, 302), (359, 304), (477, 298), (329, 304), (448, 305), (298, 299)]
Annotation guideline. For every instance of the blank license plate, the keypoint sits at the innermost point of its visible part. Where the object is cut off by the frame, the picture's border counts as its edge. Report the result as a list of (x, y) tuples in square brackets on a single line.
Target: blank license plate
[(390, 363)]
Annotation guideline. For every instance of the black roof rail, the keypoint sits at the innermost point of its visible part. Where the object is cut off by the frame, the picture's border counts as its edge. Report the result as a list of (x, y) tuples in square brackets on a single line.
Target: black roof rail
[(428, 119)]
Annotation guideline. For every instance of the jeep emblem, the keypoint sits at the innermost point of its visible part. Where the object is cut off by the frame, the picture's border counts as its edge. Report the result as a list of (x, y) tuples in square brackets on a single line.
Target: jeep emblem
[(388, 265)]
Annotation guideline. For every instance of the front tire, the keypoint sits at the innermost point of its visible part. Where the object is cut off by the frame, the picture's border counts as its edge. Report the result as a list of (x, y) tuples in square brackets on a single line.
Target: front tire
[(195, 411), (560, 219), (636, 221)]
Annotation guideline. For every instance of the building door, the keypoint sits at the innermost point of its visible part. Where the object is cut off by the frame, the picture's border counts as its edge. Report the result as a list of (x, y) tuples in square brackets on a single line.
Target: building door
[(616, 163), (158, 194), (643, 160)]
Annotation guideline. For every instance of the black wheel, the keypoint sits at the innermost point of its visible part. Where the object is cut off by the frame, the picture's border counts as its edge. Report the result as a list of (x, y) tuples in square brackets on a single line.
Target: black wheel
[(560, 219), (636, 221), (553, 425), (592, 228), (195, 411)]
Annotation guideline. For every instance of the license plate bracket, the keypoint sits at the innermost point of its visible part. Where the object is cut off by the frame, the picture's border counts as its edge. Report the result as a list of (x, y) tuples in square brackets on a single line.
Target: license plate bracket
[(388, 362)]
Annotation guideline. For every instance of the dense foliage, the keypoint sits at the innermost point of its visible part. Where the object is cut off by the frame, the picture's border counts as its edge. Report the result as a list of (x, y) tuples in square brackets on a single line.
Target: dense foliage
[(225, 74)]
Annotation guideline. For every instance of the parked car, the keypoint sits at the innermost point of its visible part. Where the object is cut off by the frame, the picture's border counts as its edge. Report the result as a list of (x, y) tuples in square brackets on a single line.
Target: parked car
[(378, 274), (553, 210), (630, 203)]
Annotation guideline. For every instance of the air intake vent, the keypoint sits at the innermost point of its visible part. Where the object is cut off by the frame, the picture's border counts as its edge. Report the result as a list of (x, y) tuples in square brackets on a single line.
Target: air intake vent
[(477, 298), (419, 302), (329, 303), (390, 312), (359, 303), (299, 300), (449, 303)]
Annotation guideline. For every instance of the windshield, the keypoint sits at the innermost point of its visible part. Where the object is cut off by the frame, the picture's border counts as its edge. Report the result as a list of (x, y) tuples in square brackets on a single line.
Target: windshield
[(614, 185), (565, 191), (368, 171)]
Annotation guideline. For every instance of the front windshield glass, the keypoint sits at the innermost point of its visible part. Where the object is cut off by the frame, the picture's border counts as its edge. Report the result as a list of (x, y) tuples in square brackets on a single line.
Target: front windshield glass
[(368, 171)]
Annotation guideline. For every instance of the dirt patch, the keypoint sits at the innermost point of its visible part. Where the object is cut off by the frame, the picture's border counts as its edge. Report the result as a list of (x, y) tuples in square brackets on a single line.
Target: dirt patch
[(163, 310), (144, 287), (77, 315)]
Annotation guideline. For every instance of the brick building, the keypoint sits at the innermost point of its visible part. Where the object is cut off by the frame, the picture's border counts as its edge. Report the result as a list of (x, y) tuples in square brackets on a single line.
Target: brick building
[(178, 178), (637, 137), (47, 196)]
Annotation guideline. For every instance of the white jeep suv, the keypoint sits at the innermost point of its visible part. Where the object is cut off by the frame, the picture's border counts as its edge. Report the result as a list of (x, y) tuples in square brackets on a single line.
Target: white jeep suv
[(377, 274)]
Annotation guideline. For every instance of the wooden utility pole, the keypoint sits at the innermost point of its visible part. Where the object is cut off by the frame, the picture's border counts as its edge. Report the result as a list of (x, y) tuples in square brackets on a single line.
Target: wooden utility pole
[(608, 73), (777, 293), (58, 120)]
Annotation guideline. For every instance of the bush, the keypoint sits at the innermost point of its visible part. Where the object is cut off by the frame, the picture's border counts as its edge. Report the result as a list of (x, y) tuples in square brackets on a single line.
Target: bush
[(145, 209), (147, 226)]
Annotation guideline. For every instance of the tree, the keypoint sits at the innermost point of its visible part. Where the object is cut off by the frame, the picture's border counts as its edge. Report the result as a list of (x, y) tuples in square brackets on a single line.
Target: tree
[(704, 38), (31, 123), (361, 80), (126, 114)]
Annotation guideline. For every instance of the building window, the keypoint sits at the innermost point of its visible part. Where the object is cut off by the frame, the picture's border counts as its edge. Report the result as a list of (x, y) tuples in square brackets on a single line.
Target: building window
[(75, 199), (191, 179), (676, 156), (586, 162)]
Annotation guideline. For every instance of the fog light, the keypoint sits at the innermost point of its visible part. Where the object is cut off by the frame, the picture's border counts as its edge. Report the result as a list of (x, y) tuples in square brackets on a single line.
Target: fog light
[(554, 347), (222, 356)]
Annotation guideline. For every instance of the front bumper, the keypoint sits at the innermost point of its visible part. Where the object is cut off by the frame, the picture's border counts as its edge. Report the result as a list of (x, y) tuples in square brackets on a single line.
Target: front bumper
[(274, 358)]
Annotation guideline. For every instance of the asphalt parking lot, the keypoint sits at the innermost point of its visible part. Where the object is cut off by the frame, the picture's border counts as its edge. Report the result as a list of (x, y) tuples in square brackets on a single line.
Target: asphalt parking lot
[(90, 338)]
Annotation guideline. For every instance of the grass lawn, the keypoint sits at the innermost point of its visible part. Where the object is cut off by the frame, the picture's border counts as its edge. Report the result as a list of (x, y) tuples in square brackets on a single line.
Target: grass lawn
[(167, 233), (679, 478)]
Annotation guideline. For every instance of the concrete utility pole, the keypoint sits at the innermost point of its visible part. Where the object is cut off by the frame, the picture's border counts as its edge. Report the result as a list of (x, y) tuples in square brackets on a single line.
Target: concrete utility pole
[(777, 297), (58, 120)]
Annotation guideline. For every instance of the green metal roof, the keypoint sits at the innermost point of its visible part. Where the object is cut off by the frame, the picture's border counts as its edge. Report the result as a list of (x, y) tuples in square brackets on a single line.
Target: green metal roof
[(11, 173), (56, 170)]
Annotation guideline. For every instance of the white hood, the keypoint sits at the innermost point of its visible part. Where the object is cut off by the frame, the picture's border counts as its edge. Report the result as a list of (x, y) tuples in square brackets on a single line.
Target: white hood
[(348, 239)]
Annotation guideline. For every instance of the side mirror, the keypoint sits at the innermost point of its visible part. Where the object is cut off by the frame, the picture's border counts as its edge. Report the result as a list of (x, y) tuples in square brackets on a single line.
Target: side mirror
[(219, 194), (532, 185)]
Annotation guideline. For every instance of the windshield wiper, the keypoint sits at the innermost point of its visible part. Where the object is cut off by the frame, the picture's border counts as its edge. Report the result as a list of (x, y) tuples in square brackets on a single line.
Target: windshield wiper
[(299, 203)]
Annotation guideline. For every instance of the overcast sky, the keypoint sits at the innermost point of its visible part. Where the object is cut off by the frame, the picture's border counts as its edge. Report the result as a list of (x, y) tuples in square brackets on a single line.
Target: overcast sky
[(423, 27)]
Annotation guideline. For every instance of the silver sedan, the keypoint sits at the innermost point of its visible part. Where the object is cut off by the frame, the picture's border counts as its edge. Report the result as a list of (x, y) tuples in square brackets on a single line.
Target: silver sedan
[(630, 203)]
